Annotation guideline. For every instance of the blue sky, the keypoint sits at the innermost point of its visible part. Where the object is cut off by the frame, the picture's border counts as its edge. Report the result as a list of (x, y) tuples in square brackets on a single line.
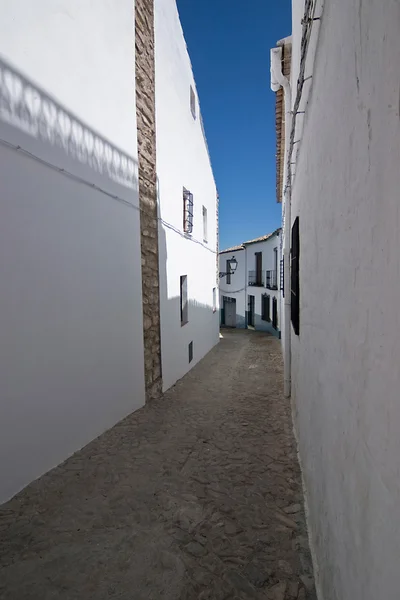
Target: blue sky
[(229, 43)]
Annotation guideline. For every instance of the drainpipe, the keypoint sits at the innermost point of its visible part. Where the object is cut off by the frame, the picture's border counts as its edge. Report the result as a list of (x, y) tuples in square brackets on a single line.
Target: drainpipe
[(279, 80)]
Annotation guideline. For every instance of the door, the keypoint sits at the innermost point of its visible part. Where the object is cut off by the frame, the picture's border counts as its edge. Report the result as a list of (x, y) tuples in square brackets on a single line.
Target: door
[(230, 312), (250, 311), (274, 313)]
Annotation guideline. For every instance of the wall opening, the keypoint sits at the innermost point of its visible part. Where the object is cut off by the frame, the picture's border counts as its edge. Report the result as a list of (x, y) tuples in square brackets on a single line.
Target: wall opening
[(265, 304), (190, 352), (294, 277), (205, 236), (184, 299)]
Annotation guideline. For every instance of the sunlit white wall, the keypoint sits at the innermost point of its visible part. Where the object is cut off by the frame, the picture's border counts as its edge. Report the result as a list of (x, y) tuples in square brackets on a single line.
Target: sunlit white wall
[(182, 161)]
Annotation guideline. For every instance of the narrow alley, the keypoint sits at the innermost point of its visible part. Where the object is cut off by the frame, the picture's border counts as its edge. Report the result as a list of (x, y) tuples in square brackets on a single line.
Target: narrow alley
[(195, 496)]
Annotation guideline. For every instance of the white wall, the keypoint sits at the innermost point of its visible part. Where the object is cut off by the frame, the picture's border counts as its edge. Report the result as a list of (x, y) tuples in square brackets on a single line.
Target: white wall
[(237, 287), (267, 249), (71, 358), (182, 161), (346, 377)]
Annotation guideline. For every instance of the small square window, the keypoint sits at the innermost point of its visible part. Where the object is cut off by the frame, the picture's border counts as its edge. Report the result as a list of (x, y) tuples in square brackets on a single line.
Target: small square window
[(193, 102)]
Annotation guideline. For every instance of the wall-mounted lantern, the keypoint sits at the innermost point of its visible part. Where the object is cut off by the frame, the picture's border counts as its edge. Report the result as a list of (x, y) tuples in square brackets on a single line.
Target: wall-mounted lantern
[(232, 268)]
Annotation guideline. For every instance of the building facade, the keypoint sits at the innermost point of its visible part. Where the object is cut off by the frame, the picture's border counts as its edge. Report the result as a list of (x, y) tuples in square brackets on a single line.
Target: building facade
[(345, 283), (86, 267), (187, 196), (251, 296)]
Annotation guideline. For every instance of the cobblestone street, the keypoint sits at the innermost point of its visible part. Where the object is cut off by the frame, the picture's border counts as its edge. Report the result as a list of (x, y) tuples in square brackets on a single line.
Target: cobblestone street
[(195, 497)]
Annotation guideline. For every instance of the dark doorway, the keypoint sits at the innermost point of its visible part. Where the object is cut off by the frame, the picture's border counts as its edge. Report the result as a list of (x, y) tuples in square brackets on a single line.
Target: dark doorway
[(274, 313), (250, 311)]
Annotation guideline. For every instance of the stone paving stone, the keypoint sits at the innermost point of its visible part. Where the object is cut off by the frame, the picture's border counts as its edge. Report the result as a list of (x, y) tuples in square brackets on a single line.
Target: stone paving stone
[(195, 497)]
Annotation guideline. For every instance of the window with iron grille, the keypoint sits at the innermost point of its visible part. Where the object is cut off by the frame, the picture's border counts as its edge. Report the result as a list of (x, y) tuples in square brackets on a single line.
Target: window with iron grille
[(282, 284), (187, 211), (265, 299), (294, 277), (214, 299), (193, 102)]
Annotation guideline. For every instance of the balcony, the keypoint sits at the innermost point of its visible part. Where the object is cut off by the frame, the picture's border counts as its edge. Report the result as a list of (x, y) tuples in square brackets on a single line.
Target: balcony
[(271, 280), (256, 279)]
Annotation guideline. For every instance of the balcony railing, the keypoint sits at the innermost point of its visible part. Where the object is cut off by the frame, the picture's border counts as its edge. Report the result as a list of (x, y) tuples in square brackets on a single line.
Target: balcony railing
[(256, 278), (271, 280)]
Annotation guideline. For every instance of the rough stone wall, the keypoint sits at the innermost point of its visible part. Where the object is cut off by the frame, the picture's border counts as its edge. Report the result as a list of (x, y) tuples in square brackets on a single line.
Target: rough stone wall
[(146, 125)]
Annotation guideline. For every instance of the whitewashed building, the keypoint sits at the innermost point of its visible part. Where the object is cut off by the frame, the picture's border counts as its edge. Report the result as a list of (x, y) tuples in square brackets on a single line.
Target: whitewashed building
[(251, 295), (187, 234), (342, 219), (93, 245)]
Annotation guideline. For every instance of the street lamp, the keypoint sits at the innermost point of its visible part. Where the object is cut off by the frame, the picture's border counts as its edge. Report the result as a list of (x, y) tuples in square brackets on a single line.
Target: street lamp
[(232, 266)]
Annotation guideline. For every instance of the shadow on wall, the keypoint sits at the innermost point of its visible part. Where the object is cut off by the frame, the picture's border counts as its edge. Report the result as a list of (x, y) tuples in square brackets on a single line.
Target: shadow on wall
[(261, 325), (27, 107), (71, 362), (193, 339)]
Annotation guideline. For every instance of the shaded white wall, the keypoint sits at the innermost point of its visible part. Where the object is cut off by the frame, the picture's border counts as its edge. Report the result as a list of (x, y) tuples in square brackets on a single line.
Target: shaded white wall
[(267, 250), (237, 287), (346, 377), (182, 161), (71, 358)]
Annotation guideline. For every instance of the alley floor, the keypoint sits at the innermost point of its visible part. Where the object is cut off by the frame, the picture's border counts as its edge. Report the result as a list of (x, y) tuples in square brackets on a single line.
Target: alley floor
[(195, 497)]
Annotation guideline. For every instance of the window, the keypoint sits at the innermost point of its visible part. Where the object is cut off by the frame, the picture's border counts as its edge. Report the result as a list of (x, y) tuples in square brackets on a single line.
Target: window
[(192, 102), (187, 211), (205, 239), (214, 299), (265, 300), (228, 272), (190, 352), (183, 300), (258, 256), (294, 277)]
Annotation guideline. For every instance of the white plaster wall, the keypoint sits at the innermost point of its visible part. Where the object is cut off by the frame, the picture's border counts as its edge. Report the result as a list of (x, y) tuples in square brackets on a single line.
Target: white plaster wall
[(182, 161), (71, 358), (267, 249), (237, 287), (346, 376)]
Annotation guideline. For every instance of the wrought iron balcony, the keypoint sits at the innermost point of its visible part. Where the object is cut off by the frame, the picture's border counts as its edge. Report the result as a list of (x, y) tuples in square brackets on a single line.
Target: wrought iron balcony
[(256, 278), (271, 280)]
